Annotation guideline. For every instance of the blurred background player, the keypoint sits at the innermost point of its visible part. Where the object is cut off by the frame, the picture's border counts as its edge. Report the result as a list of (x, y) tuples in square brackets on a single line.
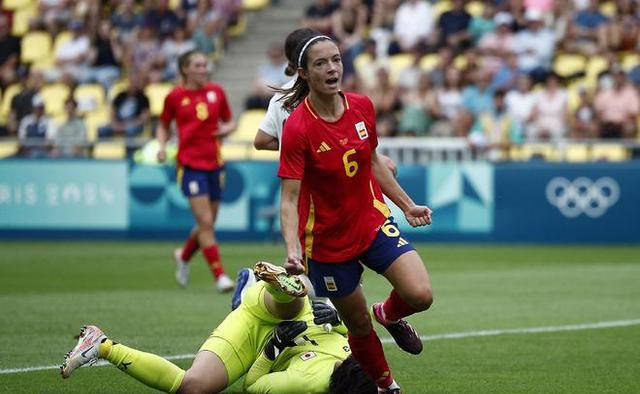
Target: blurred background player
[(278, 355), (331, 203), (202, 116)]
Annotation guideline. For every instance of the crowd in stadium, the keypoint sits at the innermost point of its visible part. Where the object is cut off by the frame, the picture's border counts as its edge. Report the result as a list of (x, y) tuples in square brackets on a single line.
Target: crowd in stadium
[(495, 72)]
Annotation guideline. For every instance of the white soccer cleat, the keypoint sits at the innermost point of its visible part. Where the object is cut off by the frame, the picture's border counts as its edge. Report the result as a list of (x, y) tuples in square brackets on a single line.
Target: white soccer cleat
[(182, 269), (224, 283), (85, 352)]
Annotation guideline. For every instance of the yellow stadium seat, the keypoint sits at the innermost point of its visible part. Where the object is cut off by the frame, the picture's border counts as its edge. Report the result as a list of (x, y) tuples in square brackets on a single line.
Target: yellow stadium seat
[(573, 95), (267, 155), (530, 151), (90, 97), (429, 62), (96, 119), (60, 39), (460, 62), (361, 60), (60, 118), (54, 96), (117, 88), (5, 106), (21, 18), (239, 28), (475, 8), (567, 64), (8, 148), (254, 5), (16, 4), (576, 153), (440, 7), (609, 8), (248, 124), (174, 4), (595, 66), (397, 63), (36, 45), (109, 150), (630, 60), (609, 152), (156, 93), (231, 151)]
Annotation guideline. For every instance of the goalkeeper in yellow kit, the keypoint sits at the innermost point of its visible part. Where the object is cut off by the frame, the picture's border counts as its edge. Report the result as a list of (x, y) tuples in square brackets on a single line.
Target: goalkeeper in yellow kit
[(275, 337)]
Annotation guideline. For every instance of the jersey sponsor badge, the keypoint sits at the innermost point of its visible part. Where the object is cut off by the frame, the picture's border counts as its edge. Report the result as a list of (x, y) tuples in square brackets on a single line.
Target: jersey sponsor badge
[(362, 130), (193, 187), (211, 97), (307, 356), (330, 283)]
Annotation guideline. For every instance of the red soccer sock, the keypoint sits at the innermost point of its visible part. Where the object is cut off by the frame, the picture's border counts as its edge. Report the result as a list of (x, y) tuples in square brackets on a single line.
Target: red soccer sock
[(212, 255), (395, 308), (369, 354), (190, 246)]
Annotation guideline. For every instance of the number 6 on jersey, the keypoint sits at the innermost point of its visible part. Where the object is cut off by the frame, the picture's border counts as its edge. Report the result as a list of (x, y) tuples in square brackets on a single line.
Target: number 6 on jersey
[(350, 167)]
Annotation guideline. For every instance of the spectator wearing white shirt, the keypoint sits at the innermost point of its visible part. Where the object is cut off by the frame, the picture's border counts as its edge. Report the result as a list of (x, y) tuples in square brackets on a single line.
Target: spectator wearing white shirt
[(550, 115), (413, 26), (73, 57), (535, 46), (520, 101), (36, 132)]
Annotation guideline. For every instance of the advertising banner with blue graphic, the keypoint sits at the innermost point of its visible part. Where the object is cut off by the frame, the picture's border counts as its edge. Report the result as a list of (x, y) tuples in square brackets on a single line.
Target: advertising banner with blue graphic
[(48, 194)]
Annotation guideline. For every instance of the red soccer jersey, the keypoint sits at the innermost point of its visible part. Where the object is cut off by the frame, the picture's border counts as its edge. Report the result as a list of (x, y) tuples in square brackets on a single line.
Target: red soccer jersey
[(197, 114), (341, 206)]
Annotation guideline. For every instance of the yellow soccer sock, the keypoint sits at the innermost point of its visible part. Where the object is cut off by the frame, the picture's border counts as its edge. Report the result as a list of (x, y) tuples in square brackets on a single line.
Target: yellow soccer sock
[(279, 295), (147, 368)]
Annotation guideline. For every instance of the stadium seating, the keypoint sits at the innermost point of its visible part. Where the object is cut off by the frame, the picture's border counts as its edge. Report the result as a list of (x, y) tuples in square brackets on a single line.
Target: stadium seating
[(248, 124), (630, 60), (90, 97), (16, 4), (441, 7), (233, 151), (5, 106), (36, 45), (475, 8), (576, 153), (255, 5), (609, 152), (156, 93), (21, 19), (239, 28), (535, 151), (595, 66), (429, 62), (54, 96), (96, 119), (568, 64), (397, 63), (8, 148), (110, 150)]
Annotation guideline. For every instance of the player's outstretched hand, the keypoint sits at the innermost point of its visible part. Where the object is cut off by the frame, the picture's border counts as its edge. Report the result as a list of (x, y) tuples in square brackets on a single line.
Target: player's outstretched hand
[(418, 215), (284, 336), (294, 265), (324, 313)]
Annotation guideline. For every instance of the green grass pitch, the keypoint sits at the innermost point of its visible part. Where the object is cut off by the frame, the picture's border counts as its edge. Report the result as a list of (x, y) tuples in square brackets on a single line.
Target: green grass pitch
[(49, 289)]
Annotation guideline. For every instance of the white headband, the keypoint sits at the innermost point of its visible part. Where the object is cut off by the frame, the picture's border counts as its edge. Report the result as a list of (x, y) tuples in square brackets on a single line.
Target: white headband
[(304, 48)]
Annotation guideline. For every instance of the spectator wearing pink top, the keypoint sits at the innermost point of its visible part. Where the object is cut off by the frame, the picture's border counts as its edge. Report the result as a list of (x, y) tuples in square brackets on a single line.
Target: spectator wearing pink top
[(495, 46), (617, 108)]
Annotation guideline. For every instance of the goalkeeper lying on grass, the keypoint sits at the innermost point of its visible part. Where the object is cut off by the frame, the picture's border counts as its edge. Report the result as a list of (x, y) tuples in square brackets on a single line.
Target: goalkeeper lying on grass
[(275, 337)]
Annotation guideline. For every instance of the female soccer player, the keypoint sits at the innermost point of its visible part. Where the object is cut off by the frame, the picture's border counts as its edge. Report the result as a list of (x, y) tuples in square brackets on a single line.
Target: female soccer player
[(203, 116), (331, 203), (286, 357)]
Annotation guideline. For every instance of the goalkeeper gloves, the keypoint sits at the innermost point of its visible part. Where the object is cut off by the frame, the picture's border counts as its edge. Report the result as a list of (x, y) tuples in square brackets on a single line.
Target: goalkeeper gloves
[(324, 313), (284, 336)]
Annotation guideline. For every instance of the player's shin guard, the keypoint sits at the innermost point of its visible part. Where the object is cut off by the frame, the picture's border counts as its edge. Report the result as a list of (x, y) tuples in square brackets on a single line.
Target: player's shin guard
[(212, 254), (154, 371), (190, 246), (395, 308), (368, 352)]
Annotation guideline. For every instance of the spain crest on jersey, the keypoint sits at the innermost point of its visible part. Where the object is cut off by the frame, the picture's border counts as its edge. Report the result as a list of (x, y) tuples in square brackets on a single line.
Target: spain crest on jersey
[(211, 97), (361, 129)]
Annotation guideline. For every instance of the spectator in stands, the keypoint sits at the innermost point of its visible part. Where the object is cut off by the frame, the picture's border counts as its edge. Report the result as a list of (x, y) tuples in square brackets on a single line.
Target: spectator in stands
[(617, 108), (206, 26), (418, 102), (382, 23), (589, 30), (21, 103), (162, 18), (145, 57), (270, 75), (129, 111), (409, 76), (318, 16), (483, 24), (106, 55), (366, 70), (73, 56), (625, 29), (478, 97), (348, 23), (495, 130), (550, 117), (413, 26), (520, 101), (385, 99), (52, 16), (535, 46), (453, 27), (37, 131), (9, 54), (445, 62), (71, 137), (450, 117), (126, 20), (171, 50), (506, 77), (583, 120), (495, 46)]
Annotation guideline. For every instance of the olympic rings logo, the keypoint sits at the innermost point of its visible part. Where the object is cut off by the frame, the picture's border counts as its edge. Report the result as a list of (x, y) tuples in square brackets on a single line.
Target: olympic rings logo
[(583, 196)]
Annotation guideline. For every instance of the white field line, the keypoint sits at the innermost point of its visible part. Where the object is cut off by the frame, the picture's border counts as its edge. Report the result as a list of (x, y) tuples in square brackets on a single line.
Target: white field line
[(454, 335)]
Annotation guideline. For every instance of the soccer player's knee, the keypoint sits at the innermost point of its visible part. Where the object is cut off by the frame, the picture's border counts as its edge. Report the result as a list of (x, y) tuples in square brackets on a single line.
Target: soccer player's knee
[(421, 299), (194, 385)]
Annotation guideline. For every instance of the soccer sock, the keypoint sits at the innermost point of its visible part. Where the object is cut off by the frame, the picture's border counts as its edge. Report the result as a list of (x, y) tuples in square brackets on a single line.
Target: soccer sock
[(212, 255), (368, 352), (395, 308), (189, 248), (154, 371), (278, 295)]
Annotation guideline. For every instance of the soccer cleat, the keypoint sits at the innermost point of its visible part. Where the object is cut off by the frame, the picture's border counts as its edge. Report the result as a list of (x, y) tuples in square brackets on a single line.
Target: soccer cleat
[(278, 277), (182, 268), (224, 283), (85, 352), (392, 389), (405, 336), (244, 280)]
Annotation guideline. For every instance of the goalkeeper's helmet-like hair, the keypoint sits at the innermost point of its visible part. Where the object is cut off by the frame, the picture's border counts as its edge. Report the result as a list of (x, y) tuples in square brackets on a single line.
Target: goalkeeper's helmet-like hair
[(350, 378)]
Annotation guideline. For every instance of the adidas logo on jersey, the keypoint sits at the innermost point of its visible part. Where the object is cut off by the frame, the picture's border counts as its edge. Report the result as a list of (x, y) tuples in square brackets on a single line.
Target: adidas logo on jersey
[(402, 242), (324, 147)]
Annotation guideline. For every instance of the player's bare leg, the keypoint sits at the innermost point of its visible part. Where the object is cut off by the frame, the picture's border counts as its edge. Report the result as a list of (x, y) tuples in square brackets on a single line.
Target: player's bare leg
[(206, 375)]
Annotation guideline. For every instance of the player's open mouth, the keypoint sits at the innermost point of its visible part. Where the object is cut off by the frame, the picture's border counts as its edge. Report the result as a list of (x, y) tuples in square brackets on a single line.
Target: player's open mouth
[(331, 81)]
